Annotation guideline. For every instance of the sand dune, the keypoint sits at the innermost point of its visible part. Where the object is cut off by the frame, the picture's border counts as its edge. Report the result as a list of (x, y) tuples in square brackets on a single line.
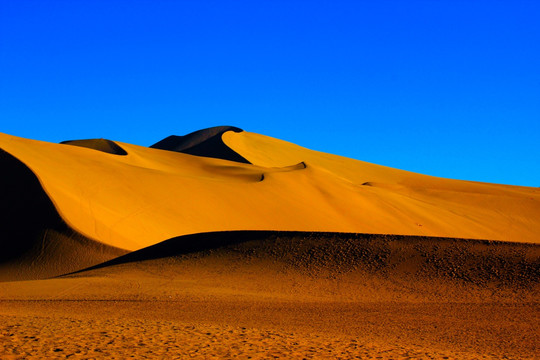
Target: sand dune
[(235, 244), (150, 195), (57, 194)]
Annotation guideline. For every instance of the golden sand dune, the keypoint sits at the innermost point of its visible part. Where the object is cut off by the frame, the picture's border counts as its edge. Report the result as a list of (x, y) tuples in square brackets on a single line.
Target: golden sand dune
[(224, 243), (150, 195)]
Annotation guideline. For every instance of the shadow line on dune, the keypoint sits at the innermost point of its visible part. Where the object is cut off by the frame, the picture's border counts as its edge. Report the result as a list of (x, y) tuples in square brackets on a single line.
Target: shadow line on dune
[(187, 244), (35, 242)]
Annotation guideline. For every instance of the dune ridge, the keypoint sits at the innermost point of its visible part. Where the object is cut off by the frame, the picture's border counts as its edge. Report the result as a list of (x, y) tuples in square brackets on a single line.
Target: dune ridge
[(149, 195), (104, 145)]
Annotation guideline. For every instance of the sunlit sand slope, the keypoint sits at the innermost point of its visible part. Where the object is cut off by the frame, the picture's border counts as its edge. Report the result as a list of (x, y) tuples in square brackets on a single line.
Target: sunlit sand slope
[(34, 241), (149, 195), (411, 203)]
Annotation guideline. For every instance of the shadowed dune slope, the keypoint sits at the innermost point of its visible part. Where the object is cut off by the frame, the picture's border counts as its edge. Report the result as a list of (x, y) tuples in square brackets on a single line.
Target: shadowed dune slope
[(149, 195), (406, 267), (206, 142), (34, 241), (104, 145)]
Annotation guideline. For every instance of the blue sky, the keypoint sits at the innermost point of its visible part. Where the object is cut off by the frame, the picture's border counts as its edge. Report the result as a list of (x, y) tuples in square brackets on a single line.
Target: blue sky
[(446, 88)]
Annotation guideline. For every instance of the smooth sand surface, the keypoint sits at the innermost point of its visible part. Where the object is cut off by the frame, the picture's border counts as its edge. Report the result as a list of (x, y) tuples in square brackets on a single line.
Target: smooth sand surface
[(151, 195)]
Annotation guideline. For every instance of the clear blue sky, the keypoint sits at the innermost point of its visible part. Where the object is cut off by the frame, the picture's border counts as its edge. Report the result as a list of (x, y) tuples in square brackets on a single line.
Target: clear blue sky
[(446, 88)]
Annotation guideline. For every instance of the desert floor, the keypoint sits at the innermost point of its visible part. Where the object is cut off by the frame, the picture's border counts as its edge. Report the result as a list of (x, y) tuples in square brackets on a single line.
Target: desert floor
[(243, 302), (243, 328)]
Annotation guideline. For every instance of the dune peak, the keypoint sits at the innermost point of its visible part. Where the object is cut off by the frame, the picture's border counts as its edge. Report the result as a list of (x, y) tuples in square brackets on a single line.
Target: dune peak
[(206, 142)]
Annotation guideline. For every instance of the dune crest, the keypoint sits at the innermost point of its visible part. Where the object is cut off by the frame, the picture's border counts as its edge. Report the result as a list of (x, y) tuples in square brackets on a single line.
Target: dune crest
[(206, 142), (104, 145)]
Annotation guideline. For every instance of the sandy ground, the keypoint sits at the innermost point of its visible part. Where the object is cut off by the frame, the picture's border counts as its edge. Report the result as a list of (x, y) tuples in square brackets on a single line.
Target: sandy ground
[(215, 328), (222, 304)]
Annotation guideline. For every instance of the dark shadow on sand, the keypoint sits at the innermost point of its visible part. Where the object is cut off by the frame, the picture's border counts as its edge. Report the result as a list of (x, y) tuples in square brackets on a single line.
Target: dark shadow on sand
[(206, 143)]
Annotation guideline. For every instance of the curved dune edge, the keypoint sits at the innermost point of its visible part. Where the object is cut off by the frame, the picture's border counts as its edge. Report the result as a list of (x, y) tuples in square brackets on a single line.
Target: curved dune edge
[(35, 241), (103, 145), (205, 142), (491, 265)]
